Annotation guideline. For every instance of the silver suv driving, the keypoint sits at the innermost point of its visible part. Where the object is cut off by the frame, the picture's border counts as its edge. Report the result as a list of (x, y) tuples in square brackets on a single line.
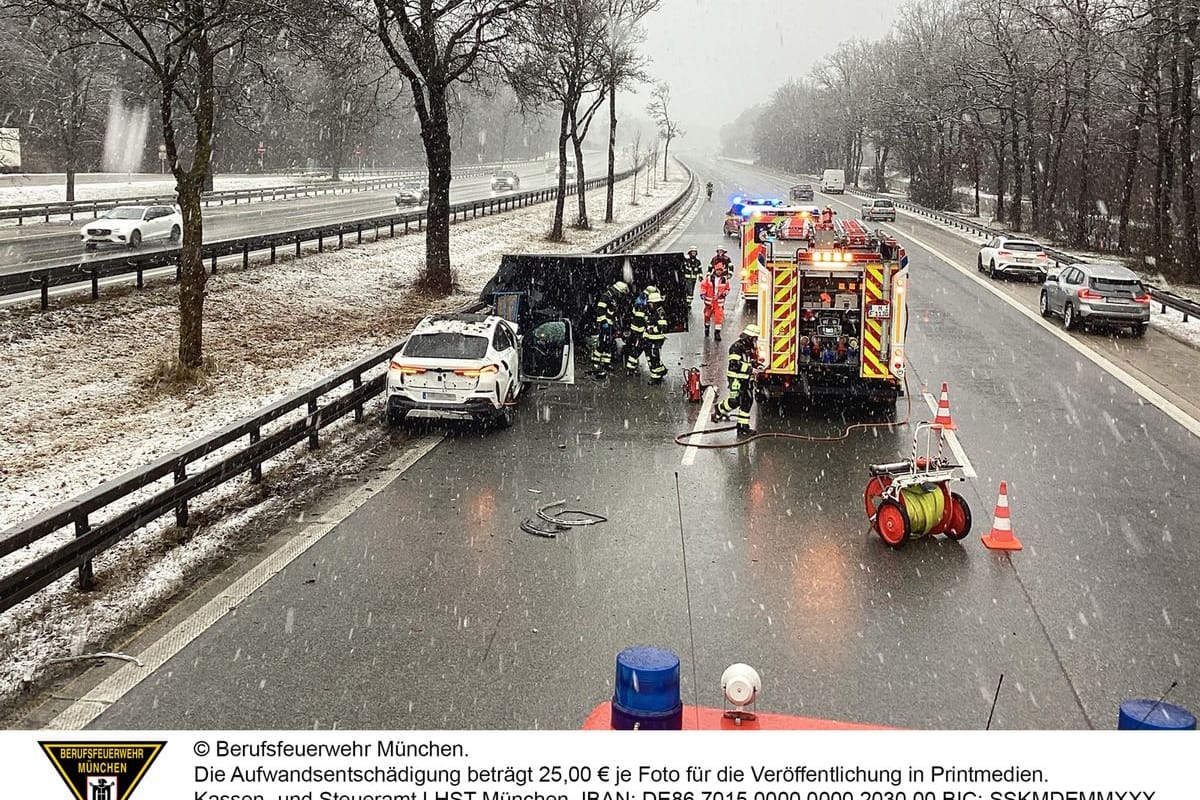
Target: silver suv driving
[(880, 209), (1096, 294)]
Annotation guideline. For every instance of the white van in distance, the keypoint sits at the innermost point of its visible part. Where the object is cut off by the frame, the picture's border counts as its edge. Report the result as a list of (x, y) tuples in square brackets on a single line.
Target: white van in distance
[(833, 181)]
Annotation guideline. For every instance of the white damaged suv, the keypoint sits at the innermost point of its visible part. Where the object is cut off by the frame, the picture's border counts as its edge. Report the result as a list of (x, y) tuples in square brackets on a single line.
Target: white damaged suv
[(474, 366)]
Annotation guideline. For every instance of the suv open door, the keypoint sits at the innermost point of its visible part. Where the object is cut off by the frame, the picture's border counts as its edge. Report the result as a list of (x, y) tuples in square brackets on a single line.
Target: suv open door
[(548, 353)]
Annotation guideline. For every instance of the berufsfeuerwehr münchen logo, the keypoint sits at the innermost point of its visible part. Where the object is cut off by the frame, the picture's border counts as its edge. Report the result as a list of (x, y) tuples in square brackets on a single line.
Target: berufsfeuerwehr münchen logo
[(102, 770)]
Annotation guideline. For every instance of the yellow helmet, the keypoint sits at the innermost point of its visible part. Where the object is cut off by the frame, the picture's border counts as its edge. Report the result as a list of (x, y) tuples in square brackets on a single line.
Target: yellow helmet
[(652, 295), (621, 286), (751, 331)]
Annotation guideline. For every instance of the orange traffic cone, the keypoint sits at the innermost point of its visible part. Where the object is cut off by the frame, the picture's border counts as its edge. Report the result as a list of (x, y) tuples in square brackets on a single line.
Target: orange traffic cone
[(1001, 536), (942, 419)]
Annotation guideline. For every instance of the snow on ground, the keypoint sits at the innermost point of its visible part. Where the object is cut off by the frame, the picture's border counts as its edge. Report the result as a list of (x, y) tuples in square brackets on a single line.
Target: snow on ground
[(78, 412)]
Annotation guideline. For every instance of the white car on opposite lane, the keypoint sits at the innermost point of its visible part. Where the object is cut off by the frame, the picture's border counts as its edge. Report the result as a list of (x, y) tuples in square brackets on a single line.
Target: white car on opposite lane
[(132, 225)]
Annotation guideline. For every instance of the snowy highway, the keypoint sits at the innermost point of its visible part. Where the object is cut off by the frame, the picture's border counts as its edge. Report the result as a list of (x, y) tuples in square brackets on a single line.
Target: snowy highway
[(425, 606), (54, 243)]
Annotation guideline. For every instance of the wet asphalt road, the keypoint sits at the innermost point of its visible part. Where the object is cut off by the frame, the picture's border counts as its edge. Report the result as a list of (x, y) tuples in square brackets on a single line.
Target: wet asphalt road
[(428, 608), (47, 244)]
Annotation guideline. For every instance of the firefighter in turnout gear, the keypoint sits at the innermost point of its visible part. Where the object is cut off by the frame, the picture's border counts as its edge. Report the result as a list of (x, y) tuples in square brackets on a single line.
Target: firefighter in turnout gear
[(606, 315), (692, 270), (720, 258), (655, 335), (634, 342), (713, 291), (743, 360)]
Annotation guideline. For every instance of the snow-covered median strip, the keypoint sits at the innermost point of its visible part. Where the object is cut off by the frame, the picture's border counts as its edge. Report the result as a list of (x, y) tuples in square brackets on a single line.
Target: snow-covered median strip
[(79, 406)]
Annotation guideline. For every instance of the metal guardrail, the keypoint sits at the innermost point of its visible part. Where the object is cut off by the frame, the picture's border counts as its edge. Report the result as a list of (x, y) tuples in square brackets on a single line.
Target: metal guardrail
[(189, 481), (95, 269), (1166, 299), (45, 211)]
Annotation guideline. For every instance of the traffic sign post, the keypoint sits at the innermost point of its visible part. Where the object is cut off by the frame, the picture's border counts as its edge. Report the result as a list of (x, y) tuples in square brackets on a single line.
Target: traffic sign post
[(262, 151), (162, 159)]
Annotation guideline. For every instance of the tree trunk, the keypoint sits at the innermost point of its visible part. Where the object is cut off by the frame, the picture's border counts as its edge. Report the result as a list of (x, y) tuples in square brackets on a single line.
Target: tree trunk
[(612, 151), (975, 172), (1187, 105), (1134, 145), (193, 277), (1164, 228), (581, 222), (1001, 169), (1060, 138), (436, 135), (1083, 190), (666, 157), (1035, 198), (71, 181), (190, 184), (1018, 183), (556, 230)]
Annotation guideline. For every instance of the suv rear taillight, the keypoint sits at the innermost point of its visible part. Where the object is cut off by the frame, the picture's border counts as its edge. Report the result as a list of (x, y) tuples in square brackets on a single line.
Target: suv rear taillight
[(1088, 294), (405, 369), (1142, 298), (486, 369)]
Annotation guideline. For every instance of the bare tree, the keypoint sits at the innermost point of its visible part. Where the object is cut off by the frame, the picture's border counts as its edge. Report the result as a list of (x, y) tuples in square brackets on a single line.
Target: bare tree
[(436, 44), (562, 62), (180, 44), (659, 109), (349, 85), (56, 73), (625, 67)]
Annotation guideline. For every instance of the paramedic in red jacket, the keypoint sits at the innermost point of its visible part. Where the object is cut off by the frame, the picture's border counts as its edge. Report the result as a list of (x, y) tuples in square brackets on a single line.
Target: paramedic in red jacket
[(713, 290)]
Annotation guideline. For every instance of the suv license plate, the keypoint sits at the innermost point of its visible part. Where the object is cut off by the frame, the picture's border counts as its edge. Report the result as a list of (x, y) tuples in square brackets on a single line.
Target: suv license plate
[(442, 396)]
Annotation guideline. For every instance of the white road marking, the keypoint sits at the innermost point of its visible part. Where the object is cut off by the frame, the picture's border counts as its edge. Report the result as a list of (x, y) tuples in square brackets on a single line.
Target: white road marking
[(84, 710), (710, 396), (1154, 398), (952, 439)]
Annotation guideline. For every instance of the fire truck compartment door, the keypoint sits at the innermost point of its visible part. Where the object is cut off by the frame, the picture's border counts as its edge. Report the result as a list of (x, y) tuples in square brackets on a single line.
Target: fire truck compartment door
[(899, 321), (877, 313)]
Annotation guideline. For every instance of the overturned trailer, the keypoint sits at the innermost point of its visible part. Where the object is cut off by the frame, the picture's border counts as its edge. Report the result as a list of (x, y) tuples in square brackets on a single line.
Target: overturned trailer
[(531, 289)]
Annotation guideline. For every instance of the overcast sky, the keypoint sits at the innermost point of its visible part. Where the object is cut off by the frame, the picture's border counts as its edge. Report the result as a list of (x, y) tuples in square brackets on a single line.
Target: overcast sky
[(722, 56)]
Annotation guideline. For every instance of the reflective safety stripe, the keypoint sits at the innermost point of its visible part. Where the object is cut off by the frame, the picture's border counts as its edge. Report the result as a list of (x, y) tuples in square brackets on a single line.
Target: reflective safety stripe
[(871, 358)]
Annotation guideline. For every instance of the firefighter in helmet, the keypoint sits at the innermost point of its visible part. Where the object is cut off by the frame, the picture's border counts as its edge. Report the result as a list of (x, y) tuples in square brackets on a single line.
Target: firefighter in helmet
[(743, 360), (827, 216), (635, 341), (692, 270), (720, 258), (653, 321), (606, 314)]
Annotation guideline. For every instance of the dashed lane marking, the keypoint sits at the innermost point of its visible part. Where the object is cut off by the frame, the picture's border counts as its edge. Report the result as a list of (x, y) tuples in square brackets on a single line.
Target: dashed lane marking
[(85, 710), (952, 439)]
